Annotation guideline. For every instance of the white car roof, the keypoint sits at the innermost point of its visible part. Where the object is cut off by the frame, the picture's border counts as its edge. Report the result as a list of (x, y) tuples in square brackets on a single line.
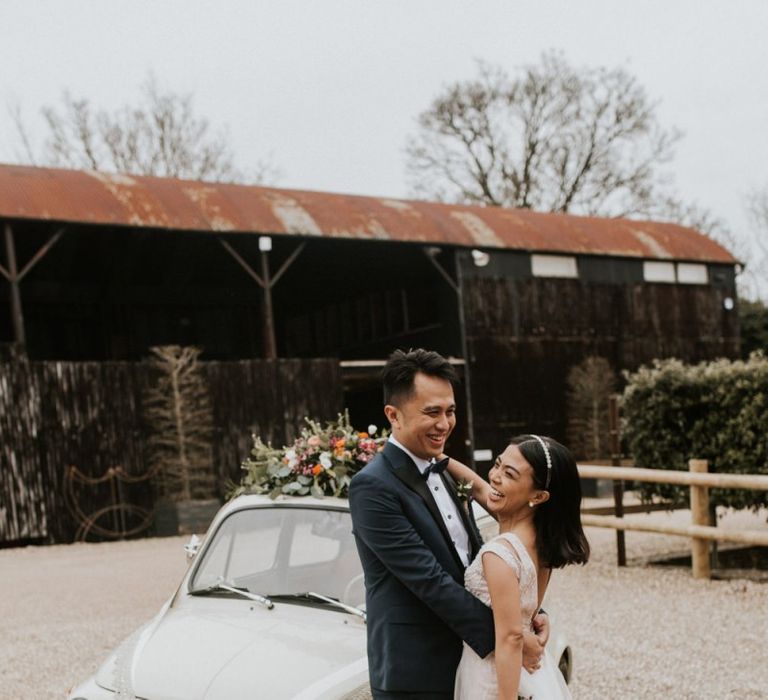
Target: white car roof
[(254, 500)]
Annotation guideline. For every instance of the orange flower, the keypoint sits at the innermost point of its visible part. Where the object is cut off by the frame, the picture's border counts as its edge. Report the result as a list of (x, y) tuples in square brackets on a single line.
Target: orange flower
[(317, 469), (362, 436)]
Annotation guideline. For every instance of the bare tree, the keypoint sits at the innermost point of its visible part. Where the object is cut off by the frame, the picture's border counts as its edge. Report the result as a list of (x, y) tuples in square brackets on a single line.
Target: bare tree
[(590, 385), (160, 136), (694, 216), (757, 268), (553, 138)]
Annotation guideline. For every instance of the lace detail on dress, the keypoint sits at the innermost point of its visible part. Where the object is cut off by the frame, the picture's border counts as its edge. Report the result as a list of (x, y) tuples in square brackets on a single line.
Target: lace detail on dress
[(519, 561)]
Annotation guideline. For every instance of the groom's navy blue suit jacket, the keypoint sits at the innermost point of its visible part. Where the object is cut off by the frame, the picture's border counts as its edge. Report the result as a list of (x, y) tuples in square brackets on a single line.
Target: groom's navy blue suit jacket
[(418, 609)]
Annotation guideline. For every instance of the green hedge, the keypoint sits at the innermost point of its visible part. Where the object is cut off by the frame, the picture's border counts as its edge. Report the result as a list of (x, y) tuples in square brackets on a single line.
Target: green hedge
[(716, 411)]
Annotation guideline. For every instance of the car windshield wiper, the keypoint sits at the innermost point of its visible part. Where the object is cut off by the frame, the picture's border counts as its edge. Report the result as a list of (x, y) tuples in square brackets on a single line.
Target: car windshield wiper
[(244, 592), (309, 595)]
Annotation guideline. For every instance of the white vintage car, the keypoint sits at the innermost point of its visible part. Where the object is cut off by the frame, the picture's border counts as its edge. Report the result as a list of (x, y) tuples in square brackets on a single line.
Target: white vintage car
[(271, 607)]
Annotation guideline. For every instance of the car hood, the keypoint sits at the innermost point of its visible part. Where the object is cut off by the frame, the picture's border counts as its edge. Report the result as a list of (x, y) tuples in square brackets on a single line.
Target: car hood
[(218, 649)]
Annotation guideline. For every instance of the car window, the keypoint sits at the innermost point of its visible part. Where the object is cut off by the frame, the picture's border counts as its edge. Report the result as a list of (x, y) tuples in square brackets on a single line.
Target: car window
[(272, 550), (242, 546), (314, 542)]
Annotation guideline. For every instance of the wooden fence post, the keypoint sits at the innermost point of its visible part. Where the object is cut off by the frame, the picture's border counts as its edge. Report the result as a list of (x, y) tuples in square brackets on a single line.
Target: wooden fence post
[(699, 516), (618, 486)]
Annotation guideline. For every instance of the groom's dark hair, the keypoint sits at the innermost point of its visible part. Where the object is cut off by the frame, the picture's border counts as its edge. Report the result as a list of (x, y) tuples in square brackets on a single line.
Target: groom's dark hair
[(401, 369)]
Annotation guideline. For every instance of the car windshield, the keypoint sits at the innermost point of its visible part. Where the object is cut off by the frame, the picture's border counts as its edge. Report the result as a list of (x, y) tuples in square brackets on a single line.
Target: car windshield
[(277, 550)]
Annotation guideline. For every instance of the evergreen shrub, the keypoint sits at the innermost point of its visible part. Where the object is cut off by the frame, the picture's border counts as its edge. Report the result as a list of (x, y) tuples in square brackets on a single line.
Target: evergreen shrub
[(718, 411)]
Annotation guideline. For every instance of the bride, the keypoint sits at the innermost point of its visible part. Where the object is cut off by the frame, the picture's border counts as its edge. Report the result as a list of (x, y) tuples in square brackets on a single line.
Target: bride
[(534, 493)]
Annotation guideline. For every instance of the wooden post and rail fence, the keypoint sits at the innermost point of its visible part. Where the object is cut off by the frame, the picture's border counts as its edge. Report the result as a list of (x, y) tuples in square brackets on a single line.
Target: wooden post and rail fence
[(699, 481)]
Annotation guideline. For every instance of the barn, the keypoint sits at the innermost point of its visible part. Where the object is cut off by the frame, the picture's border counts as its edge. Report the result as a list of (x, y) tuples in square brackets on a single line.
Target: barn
[(99, 267)]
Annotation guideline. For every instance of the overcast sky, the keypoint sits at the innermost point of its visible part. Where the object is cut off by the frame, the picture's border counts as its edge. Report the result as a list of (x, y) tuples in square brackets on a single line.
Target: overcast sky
[(330, 89)]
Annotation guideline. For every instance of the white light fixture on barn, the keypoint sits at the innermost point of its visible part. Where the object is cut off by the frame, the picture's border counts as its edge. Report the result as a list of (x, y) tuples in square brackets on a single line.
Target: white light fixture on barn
[(480, 257), (265, 244), (728, 303)]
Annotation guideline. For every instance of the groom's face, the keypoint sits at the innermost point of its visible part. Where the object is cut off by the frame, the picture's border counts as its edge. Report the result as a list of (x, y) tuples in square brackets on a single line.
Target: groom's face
[(423, 421)]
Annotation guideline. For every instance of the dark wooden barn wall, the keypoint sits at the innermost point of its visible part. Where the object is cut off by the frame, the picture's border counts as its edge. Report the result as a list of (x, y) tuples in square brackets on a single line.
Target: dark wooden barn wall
[(524, 335), (56, 414)]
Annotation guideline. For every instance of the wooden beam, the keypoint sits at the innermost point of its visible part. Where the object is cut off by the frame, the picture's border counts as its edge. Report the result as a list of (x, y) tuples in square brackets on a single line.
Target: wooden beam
[(295, 254), (40, 254), (758, 482), (704, 532), (242, 263), (441, 270)]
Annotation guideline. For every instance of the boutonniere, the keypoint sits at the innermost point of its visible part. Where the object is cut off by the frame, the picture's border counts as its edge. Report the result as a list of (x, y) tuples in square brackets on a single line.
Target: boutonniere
[(464, 491)]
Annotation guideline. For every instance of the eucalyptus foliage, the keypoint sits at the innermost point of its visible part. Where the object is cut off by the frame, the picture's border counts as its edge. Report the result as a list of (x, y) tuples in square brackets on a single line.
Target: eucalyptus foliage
[(716, 411)]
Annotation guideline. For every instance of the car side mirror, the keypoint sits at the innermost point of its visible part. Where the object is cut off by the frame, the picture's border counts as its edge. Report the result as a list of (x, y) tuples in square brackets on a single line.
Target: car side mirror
[(192, 546)]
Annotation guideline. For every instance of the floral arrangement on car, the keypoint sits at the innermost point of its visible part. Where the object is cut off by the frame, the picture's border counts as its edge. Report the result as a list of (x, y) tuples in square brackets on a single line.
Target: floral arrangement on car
[(320, 462)]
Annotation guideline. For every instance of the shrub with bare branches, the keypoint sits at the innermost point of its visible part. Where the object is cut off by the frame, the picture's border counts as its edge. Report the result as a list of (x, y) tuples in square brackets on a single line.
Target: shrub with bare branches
[(178, 411), (590, 385)]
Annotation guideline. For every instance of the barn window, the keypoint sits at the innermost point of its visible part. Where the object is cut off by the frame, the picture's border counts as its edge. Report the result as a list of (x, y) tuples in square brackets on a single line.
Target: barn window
[(692, 273), (654, 271), (554, 266)]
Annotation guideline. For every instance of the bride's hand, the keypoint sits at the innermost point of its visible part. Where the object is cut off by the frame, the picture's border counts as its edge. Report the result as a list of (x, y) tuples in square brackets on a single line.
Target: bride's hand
[(461, 472), (533, 650)]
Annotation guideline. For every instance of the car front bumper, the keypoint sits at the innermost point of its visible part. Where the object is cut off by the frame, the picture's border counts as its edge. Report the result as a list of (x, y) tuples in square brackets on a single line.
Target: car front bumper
[(89, 690)]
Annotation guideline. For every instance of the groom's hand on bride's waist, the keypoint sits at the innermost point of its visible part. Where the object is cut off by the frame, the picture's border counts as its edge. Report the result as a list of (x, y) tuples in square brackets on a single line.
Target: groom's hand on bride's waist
[(534, 643), (541, 626)]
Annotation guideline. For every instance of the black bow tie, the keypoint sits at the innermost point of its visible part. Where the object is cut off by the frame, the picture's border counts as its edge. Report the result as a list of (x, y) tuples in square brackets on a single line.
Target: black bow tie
[(435, 467)]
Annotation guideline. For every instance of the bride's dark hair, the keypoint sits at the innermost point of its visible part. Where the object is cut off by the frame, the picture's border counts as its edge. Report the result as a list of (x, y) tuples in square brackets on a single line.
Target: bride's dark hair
[(560, 538)]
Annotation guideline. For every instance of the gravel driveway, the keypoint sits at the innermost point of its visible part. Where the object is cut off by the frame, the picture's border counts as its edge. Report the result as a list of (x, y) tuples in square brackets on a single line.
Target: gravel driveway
[(638, 632)]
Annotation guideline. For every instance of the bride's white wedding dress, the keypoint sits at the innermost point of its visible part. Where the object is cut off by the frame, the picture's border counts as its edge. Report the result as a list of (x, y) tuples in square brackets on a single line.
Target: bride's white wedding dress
[(476, 677)]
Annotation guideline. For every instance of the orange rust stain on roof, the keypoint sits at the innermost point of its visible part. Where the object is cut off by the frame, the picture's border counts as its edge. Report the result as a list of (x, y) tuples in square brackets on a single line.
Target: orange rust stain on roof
[(166, 203)]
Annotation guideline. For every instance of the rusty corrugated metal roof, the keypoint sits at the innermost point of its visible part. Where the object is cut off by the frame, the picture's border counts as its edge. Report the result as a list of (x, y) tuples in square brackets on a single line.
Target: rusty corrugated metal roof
[(128, 200)]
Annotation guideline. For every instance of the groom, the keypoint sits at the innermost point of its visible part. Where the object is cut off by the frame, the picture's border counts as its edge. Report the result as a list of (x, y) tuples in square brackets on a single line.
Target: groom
[(415, 540)]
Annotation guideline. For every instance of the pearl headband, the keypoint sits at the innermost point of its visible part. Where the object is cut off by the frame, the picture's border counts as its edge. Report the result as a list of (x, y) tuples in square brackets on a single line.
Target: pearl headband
[(549, 459)]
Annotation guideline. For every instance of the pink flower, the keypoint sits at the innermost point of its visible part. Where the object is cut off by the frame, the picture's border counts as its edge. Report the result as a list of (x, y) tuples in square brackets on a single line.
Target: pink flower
[(313, 441)]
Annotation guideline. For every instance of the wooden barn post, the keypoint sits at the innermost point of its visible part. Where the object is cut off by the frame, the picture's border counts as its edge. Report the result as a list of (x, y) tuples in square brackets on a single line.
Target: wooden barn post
[(465, 351), (266, 283), (270, 344), (12, 275), (457, 288)]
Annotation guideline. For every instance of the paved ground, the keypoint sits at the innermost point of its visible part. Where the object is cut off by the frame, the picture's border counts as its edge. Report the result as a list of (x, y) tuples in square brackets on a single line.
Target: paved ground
[(639, 632)]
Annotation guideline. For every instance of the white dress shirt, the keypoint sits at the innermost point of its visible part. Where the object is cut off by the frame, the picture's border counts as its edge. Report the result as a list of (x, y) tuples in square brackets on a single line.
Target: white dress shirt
[(445, 504)]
